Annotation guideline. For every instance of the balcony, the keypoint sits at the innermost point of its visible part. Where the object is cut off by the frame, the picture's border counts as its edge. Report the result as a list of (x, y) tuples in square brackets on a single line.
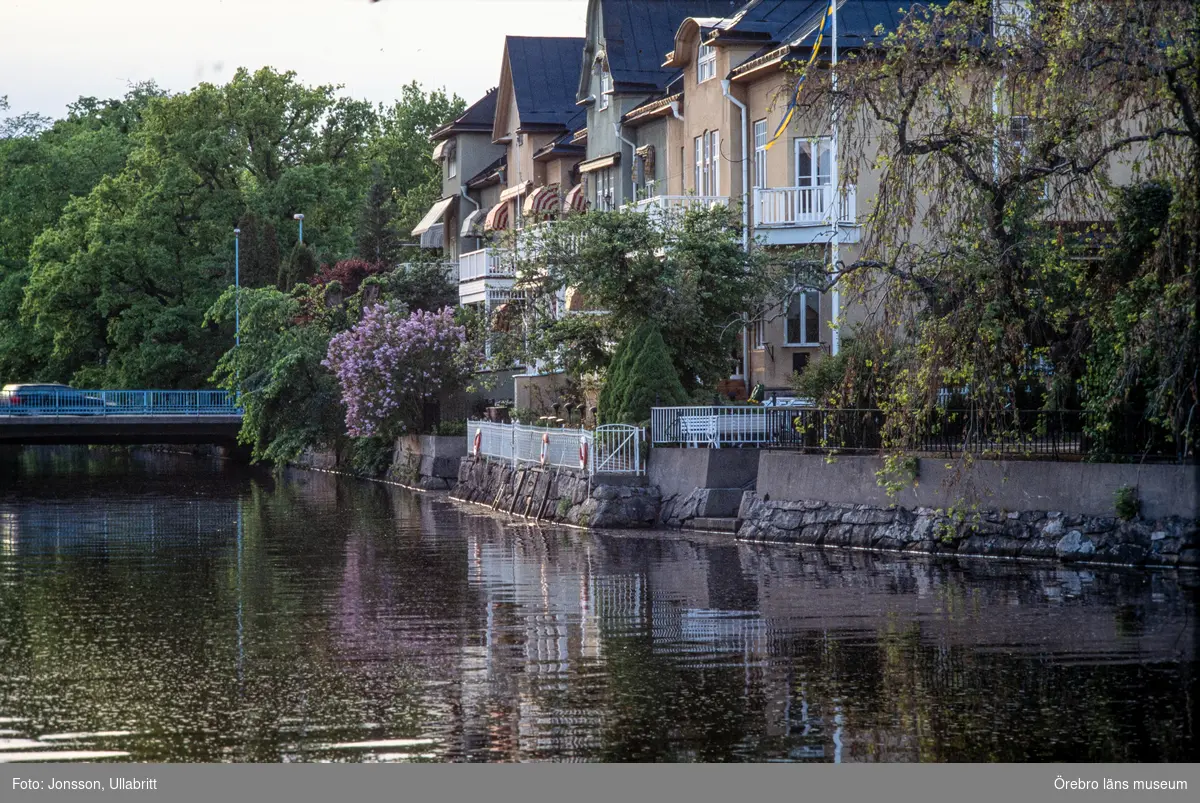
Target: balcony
[(481, 274), (802, 215), (668, 209)]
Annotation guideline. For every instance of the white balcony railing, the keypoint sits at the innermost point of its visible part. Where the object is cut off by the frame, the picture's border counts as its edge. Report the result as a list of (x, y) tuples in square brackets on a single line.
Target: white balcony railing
[(486, 263), (801, 206), (672, 205)]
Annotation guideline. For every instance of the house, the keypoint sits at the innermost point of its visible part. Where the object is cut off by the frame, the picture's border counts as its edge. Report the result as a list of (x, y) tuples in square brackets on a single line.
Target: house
[(464, 150), (622, 68), (704, 140)]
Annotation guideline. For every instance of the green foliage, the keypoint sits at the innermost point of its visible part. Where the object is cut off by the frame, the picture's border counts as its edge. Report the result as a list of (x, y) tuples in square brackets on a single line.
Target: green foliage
[(652, 381), (1126, 503), (116, 223), (291, 401), (616, 383), (688, 275), (370, 457), (450, 428), (300, 267)]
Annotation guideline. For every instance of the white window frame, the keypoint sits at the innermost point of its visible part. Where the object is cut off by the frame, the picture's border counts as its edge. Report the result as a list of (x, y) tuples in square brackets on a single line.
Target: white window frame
[(821, 146), (606, 87), (706, 63), (803, 320), (760, 154), (604, 194), (707, 168), (758, 332), (714, 171)]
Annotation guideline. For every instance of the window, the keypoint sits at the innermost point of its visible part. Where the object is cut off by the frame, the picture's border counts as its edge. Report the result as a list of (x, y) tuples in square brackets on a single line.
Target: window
[(760, 153), (604, 184), (451, 160), (1010, 17), (803, 322), (814, 167), (758, 332), (706, 63), (708, 153), (606, 87)]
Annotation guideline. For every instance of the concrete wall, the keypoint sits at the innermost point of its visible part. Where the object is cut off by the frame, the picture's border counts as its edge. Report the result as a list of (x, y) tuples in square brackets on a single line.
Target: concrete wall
[(1081, 488), (678, 472)]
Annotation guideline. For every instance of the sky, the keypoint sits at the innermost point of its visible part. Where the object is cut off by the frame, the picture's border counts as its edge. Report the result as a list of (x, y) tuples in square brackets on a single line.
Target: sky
[(54, 51)]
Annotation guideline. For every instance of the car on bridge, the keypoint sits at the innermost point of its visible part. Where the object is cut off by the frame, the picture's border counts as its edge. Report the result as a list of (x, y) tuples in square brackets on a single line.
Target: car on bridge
[(48, 399)]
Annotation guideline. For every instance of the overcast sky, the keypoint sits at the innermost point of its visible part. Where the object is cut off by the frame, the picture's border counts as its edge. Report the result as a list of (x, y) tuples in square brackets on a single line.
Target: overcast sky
[(53, 51)]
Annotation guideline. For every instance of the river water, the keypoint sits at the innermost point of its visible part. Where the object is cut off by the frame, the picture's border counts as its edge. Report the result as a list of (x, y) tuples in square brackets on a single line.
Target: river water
[(160, 607)]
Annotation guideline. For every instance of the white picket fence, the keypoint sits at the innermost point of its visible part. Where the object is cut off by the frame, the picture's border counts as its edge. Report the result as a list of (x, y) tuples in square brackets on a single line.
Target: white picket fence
[(609, 449)]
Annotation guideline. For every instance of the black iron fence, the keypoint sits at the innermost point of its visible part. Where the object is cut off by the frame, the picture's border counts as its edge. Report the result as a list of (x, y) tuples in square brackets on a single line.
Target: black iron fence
[(1051, 434)]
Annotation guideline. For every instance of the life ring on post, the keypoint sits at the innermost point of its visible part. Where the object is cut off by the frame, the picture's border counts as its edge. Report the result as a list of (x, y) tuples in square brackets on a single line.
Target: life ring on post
[(545, 447), (583, 452), (477, 446)]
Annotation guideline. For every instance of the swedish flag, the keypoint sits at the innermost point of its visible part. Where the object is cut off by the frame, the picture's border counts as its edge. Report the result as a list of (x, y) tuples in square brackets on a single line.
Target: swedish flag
[(826, 22)]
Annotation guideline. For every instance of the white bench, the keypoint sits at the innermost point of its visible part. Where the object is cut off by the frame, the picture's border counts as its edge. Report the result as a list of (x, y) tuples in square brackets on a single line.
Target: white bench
[(744, 428), (697, 429)]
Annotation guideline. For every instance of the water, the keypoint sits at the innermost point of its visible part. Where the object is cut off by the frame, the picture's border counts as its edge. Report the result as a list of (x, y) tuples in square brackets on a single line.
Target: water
[(166, 608)]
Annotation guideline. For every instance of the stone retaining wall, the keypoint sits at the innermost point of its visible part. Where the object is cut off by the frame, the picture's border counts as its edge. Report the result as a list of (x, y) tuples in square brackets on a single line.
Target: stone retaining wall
[(558, 494), (1167, 541)]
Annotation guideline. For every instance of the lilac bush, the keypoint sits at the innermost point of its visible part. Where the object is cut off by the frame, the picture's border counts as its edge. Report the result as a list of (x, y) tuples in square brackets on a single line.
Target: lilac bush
[(391, 363)]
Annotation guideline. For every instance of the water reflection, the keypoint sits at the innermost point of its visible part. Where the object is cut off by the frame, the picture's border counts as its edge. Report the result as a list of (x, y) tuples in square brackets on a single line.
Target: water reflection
[(158, 608)]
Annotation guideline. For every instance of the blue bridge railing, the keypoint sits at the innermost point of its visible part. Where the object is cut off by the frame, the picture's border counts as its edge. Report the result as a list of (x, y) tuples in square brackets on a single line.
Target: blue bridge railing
[(61, 400)]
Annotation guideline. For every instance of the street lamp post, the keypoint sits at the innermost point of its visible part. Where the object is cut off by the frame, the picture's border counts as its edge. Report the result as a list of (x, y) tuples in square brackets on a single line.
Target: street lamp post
[(237, 288), (300, 218)]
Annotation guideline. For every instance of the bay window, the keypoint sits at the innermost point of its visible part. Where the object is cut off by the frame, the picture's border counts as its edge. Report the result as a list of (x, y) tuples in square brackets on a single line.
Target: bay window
[(803, 321)]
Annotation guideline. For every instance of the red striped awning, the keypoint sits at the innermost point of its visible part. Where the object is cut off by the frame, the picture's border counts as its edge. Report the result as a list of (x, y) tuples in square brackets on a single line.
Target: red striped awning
[(497, 217), (575, 200), (542, 202)]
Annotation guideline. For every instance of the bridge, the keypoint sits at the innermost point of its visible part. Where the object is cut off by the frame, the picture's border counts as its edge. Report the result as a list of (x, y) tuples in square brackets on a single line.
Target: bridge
[(41, 415)]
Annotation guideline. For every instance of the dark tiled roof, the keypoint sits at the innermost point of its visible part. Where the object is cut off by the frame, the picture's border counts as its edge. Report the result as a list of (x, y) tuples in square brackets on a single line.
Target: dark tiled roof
[(545, 74), (477, 117), (488, 173), (639, 33), (776, 22)]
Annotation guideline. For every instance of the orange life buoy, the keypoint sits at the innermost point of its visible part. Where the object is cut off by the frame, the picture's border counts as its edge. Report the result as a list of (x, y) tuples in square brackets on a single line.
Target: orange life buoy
[(545, 447), (477, 447), (583, 451)]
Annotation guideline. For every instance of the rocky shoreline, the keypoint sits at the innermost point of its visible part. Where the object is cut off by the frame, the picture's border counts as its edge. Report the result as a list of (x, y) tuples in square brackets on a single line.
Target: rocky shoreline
[(1169, 541)]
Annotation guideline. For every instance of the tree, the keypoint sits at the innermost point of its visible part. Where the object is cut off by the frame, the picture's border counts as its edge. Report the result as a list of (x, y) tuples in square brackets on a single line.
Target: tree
[(689, 276), (291, 401), (651, 380), (995, 143), (391, 364), (377, 239)]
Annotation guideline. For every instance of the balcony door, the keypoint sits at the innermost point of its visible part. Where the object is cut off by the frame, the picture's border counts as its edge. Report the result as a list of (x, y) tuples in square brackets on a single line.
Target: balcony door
[(814, 173)]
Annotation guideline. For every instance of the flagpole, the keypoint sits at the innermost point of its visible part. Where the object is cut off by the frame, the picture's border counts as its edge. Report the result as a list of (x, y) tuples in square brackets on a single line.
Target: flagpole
[(836, 301)]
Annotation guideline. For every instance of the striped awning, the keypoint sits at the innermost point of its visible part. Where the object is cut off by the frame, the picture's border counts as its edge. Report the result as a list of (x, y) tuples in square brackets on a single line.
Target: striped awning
[(516, 191), (542, 202), (434, 216), (439, 152), (497, 217), (575, 201), (473, 224)]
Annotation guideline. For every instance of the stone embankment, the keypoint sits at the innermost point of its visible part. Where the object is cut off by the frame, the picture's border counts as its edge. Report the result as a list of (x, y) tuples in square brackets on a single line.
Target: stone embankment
[(1168, 541), (558, 494)]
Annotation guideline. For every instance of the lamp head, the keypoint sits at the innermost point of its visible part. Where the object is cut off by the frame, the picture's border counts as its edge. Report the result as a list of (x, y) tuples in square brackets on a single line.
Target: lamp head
[(297, 217), (237, 232)]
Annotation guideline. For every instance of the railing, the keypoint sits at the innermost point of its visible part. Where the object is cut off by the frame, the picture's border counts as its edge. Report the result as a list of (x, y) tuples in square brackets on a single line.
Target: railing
[(485, 263), (670, 207), (800, 206), (1023, 433), (611, 449), (70, 401)]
